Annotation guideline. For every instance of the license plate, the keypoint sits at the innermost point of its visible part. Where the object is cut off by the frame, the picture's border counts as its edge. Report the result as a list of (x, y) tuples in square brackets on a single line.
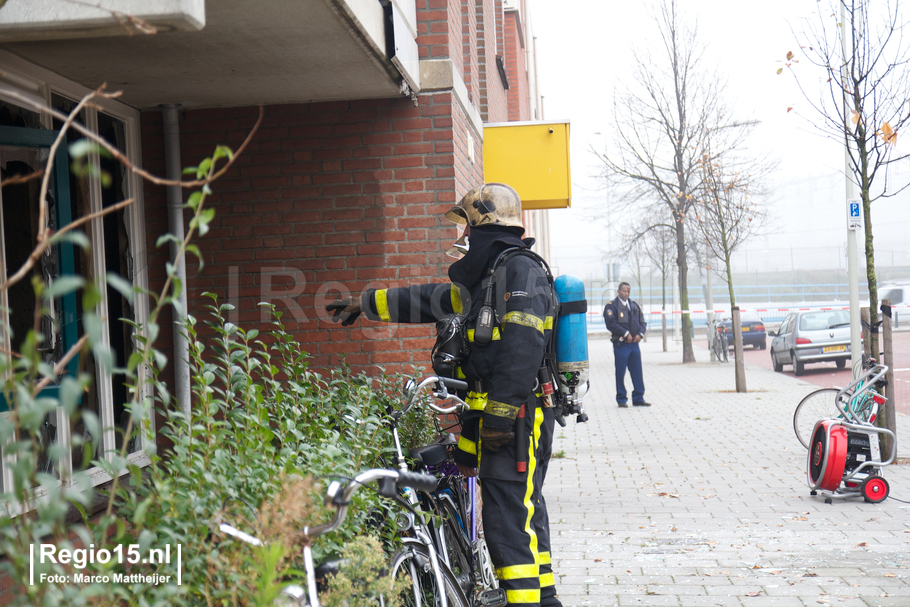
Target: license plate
[(827, 349), (747, 329)]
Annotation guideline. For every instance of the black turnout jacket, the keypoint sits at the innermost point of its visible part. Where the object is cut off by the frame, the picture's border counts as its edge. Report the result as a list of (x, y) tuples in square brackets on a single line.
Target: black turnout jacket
[(502, 374)]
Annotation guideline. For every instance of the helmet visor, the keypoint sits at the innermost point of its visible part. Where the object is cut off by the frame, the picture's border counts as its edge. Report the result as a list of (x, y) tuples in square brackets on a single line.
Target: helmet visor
[(457, 215)]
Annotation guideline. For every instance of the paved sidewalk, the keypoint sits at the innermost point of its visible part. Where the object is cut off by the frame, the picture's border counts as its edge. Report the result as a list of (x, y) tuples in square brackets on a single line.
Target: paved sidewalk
[(701, 500)]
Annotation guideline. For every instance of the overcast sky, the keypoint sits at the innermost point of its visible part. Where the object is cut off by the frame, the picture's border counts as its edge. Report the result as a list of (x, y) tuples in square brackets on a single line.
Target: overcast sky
[(586, 46)]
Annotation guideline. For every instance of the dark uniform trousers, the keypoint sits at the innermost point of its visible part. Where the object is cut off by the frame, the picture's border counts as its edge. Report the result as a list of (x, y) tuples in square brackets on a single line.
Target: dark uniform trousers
[(628, 356), (516, 524)]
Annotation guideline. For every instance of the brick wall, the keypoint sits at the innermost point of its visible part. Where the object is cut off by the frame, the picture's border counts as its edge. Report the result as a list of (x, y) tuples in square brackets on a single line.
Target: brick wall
[(492, 101), (329, 199), (516, 69), (439, 31), (470, 49)]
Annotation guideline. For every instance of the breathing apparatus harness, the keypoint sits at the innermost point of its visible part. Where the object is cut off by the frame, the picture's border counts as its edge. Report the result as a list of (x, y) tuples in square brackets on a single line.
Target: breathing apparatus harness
[(559, 390)]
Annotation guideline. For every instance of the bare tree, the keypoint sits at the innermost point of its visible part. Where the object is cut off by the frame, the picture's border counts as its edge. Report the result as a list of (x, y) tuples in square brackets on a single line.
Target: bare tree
[(661, 121), (865, 56), (656, 242), (728, 214), (730, 209)]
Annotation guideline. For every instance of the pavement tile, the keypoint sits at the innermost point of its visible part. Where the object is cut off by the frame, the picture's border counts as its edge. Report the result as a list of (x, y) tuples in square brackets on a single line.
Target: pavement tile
[(702, 501)]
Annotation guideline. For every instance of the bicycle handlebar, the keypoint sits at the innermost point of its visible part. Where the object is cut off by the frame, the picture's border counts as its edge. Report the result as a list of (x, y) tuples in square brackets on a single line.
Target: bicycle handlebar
[(859, 386), (441, 387), (341, 499)]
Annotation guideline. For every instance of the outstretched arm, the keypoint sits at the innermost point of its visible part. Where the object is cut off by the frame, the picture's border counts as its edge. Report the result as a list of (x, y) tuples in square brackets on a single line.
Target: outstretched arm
[(415, 304)]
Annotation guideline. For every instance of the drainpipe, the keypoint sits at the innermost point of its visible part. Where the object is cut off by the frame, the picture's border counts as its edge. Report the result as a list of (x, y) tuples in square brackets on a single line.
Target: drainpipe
[(173, 171)]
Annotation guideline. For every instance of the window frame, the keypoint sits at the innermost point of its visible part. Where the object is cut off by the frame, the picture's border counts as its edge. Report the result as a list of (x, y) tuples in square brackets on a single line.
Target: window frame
[(46, 83)]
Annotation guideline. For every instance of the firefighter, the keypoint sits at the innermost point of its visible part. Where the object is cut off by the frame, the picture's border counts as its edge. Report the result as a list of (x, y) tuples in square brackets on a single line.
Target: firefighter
[(502, 376)]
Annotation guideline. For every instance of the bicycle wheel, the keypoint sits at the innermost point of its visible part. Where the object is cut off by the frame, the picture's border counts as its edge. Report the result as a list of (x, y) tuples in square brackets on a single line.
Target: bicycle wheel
[(458, 552), (413, 564), (817, 405), (720, 347)]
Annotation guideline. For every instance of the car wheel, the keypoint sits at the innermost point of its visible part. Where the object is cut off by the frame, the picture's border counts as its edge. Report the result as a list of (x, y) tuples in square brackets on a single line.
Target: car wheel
[(799, 368), (841, 364), (777, 366), (763, 345)]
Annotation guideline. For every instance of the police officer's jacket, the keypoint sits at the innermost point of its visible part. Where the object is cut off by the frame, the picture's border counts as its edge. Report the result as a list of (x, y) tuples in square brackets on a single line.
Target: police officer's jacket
[(620, 319), (502, 374)]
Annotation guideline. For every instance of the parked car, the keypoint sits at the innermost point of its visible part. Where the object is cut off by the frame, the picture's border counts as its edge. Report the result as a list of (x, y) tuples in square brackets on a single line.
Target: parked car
[(811, 337), (753, 329), (898, 294)]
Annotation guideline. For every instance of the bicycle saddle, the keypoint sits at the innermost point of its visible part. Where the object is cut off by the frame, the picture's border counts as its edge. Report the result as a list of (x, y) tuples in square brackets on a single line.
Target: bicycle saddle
[(431, 455)]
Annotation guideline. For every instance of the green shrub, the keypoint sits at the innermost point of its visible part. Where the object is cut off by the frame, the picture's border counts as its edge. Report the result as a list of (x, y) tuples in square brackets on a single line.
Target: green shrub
[(264, 434)]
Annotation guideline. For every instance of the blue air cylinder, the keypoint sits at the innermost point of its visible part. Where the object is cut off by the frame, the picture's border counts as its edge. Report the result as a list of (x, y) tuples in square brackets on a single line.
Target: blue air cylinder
[(571, 330)]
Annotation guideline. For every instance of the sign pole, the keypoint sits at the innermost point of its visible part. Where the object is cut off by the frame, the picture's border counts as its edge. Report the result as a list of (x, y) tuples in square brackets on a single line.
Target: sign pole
[(854, 217), (854, 223)]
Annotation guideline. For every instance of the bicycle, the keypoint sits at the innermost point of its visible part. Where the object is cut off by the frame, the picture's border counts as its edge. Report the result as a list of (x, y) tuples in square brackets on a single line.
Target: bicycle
[(414, 561), (453, 502), (719, 343), (860, 400)]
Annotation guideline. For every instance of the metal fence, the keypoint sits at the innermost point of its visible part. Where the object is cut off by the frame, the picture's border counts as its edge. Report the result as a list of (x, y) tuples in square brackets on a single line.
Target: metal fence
[(771, 302)]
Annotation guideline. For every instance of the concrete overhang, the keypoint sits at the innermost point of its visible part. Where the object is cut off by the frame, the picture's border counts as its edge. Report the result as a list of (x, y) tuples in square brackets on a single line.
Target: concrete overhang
[(247, 53)]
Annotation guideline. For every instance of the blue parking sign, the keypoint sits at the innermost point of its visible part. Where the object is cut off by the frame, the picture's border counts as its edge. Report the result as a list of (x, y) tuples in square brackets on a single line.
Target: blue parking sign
[(855, 214)]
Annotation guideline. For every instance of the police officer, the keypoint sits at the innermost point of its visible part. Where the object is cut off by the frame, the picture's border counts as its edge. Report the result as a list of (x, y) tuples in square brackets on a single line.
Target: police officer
[(626, 323), (501, 370)]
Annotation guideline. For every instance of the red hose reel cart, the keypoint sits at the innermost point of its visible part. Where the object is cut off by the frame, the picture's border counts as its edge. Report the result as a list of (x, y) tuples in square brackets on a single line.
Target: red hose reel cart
[(845, 458)]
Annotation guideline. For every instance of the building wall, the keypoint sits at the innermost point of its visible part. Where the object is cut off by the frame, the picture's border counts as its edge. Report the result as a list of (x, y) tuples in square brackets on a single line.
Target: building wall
[(333, 198), (470, 50), (492, 102), (517, 97), (330, 198)]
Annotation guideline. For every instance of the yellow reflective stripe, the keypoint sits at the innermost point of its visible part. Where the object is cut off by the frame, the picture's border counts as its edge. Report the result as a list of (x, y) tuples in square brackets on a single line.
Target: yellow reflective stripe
[(523, 596), (548, 323), (518, 572), (468, 446), (547, 579), (382, 304), (479, 451), (529, 482), (545, 558), (501, 409), (495, 334), (477, 401), (459, 373), (523, 318), (455, 295)]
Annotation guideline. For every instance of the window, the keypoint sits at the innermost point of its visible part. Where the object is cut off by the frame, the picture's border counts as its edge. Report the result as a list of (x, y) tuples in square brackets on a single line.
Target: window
[(786, 325), (117, 241)]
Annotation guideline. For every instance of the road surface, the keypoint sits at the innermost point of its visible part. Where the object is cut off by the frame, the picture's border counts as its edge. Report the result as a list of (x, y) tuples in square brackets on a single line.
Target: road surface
[(826, 375)]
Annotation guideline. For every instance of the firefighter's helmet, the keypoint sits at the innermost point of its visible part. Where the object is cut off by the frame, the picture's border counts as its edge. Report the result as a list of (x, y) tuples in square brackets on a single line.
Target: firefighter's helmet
[(488, 204)]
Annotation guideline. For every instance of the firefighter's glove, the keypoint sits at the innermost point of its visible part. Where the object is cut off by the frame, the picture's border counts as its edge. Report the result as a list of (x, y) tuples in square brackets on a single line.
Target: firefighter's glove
[(346, 310), (492, 439)]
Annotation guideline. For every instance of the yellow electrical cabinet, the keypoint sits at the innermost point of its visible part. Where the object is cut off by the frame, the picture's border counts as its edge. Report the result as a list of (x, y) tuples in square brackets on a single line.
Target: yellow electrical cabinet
[(533, 158)]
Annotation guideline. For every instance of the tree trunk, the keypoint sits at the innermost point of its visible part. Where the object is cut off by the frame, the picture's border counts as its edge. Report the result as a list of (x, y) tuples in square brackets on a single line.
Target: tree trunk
[(663, 309), (730, 280), (738, 362), (862, 150), (688, 355), (870, 274)]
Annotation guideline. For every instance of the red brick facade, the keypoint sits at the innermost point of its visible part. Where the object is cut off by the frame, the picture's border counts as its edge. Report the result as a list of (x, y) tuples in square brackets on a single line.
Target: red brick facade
[(518, 95)]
